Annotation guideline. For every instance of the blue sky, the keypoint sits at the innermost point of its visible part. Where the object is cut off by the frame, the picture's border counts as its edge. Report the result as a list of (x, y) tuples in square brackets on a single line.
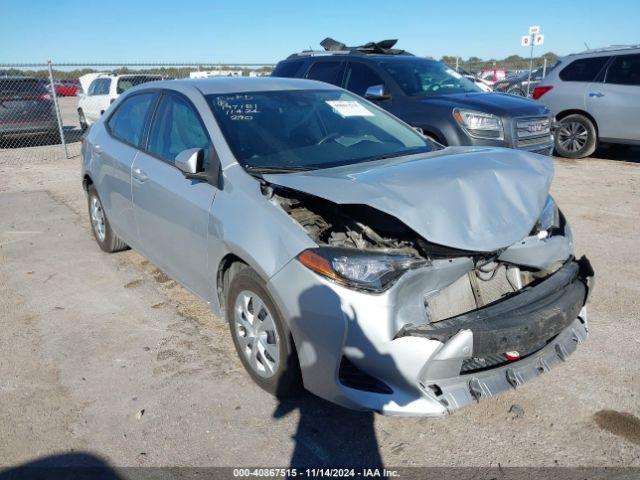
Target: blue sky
[(267, 31)]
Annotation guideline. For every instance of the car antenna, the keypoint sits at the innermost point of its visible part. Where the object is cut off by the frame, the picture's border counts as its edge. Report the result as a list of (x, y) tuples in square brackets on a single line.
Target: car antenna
[(585, 44)]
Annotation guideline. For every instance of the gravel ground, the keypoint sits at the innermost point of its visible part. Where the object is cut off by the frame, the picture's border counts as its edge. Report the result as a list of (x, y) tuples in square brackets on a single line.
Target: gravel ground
[(105, 354)]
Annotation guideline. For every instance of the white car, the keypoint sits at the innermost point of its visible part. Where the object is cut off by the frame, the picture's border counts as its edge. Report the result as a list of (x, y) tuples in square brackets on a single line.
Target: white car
[(99, 90)]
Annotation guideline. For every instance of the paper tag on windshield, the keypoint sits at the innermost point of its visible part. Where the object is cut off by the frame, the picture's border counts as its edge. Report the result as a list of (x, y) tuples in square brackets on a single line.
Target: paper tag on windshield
[(349, 108)]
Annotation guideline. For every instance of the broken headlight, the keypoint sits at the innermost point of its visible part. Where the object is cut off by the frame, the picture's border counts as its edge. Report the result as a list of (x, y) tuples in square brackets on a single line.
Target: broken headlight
[(358, 269), (549, 217)]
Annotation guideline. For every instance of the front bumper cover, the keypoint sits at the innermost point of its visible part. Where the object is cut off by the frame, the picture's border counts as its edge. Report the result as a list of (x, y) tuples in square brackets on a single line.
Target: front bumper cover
[(527, 319)]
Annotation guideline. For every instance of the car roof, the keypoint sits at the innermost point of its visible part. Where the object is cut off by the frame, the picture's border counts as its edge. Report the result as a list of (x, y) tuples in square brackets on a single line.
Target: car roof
[(215, 85), (612, 50)]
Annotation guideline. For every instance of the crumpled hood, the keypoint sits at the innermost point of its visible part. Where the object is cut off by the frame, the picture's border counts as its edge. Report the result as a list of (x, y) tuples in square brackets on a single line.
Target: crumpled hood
[(475, 199)]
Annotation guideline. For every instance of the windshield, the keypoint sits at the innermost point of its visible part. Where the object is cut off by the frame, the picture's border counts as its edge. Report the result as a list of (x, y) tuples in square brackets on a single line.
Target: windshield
[(425, 77), (125, 83), (309, 129)]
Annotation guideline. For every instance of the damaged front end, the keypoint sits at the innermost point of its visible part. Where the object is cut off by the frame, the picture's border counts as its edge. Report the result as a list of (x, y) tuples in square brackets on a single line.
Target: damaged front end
[(492, 319)]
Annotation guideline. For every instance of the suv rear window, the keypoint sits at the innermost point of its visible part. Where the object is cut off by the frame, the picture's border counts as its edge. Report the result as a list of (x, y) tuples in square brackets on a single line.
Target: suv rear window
[(330, 72), (287, 69), (17, 86), (125, 83), (583, 70)]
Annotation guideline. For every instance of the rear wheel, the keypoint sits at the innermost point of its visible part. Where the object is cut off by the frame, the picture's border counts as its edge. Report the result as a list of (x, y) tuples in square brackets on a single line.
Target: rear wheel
[(104, 235), (260, 335), (82, 120), (576, 137)]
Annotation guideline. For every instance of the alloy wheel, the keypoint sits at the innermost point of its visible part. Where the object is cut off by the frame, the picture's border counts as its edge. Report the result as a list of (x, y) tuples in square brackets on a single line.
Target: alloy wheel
[(573, 136), (256, 334), (98, 219)]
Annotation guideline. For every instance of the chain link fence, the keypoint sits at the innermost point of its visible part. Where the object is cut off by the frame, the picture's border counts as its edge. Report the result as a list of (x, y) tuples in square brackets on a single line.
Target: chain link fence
[(45, 107)]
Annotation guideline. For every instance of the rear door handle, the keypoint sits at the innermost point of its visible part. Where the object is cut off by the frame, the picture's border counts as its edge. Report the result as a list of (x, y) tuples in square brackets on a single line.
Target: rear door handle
[(139, 175), (596, 94)]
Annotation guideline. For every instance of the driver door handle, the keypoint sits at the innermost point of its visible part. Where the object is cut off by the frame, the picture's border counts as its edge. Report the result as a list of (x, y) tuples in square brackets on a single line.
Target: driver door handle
[(596, 94), (139, 175)]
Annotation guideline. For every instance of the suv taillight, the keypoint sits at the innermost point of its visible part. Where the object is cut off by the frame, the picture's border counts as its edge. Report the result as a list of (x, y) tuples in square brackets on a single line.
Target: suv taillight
[(540, 90)]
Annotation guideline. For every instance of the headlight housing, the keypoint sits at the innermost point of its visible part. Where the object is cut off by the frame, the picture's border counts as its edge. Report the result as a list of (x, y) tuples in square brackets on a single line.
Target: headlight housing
[(479, 124), (362, 270), (549, 219)]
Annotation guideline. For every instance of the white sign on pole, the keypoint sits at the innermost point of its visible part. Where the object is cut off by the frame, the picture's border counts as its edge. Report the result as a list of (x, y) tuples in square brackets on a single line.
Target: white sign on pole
[(538, 39), (534, 29), (526, 40)]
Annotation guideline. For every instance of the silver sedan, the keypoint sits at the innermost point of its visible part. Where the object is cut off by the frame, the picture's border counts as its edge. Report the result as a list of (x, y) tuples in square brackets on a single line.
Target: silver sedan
[(349, 254)]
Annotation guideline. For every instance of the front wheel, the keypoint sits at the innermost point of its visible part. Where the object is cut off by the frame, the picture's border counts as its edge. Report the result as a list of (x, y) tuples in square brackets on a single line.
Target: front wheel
[(102, 231), (576, 137), (260, 335)]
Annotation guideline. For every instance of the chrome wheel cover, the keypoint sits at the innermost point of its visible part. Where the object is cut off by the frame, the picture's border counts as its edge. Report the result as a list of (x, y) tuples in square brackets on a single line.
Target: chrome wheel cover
[(256, 334), (573, 136), (97, 218)]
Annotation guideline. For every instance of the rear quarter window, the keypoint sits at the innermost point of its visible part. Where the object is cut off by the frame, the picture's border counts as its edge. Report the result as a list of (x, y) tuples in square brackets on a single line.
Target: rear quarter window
[(583, 69)]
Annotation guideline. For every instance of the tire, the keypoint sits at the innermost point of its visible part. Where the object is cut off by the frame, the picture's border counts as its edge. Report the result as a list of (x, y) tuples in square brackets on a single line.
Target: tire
[(82, 120), (517, 91), (278, 374), (102, 231), (575, 137)]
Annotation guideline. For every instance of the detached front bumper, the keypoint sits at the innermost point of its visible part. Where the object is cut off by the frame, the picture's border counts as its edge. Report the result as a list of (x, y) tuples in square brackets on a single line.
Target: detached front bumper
[(378, 352)]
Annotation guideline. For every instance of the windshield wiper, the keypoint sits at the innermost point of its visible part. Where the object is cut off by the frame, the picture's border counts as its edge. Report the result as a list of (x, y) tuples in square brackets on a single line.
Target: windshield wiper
[(274, 169), (396, 154)]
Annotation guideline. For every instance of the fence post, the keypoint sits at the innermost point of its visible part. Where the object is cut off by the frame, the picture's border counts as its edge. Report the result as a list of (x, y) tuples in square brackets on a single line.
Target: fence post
[(56, 106)]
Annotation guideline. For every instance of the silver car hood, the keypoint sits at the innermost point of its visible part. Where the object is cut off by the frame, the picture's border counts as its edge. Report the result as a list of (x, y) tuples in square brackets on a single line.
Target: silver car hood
[(475, 199)]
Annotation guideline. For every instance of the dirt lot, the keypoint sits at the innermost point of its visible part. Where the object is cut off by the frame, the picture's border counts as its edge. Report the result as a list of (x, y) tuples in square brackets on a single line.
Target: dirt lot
[(105, 354)]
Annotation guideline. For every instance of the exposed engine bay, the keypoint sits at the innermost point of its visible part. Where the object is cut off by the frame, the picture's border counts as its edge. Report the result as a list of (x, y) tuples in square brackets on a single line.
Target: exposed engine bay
[(364, 228)]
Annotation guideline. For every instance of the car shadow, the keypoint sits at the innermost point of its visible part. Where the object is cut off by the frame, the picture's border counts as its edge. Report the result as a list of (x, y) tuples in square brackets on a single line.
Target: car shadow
[(329, 435), (622, 153), (71, 135), (66, 466)]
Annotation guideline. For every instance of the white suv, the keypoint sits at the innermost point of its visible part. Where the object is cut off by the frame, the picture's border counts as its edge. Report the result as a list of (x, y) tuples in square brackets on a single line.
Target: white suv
[(100, 90)]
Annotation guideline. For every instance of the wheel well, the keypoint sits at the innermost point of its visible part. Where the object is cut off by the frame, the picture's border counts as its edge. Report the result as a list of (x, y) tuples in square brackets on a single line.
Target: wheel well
[(566, 113), (229, 266), (86, 181)]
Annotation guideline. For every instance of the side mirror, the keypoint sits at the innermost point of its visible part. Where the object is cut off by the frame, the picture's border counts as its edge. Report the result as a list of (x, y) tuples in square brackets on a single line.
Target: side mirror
[(377, 92), (189, 161)]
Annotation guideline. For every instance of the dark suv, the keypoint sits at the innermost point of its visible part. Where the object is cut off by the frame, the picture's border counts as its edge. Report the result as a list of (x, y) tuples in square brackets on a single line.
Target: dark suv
[(426, 94)]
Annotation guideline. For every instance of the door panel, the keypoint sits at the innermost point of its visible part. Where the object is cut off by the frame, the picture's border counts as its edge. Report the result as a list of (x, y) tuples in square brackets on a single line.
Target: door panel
[(172, 216), (615, 104), (616, 109), (171, 211)]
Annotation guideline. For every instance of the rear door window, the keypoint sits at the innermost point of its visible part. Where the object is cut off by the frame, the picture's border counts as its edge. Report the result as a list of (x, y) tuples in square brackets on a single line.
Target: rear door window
[(583, 70), (624, 70), (327, 71), (128, 121), (360, 77), (176, 127), (287, 69)]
